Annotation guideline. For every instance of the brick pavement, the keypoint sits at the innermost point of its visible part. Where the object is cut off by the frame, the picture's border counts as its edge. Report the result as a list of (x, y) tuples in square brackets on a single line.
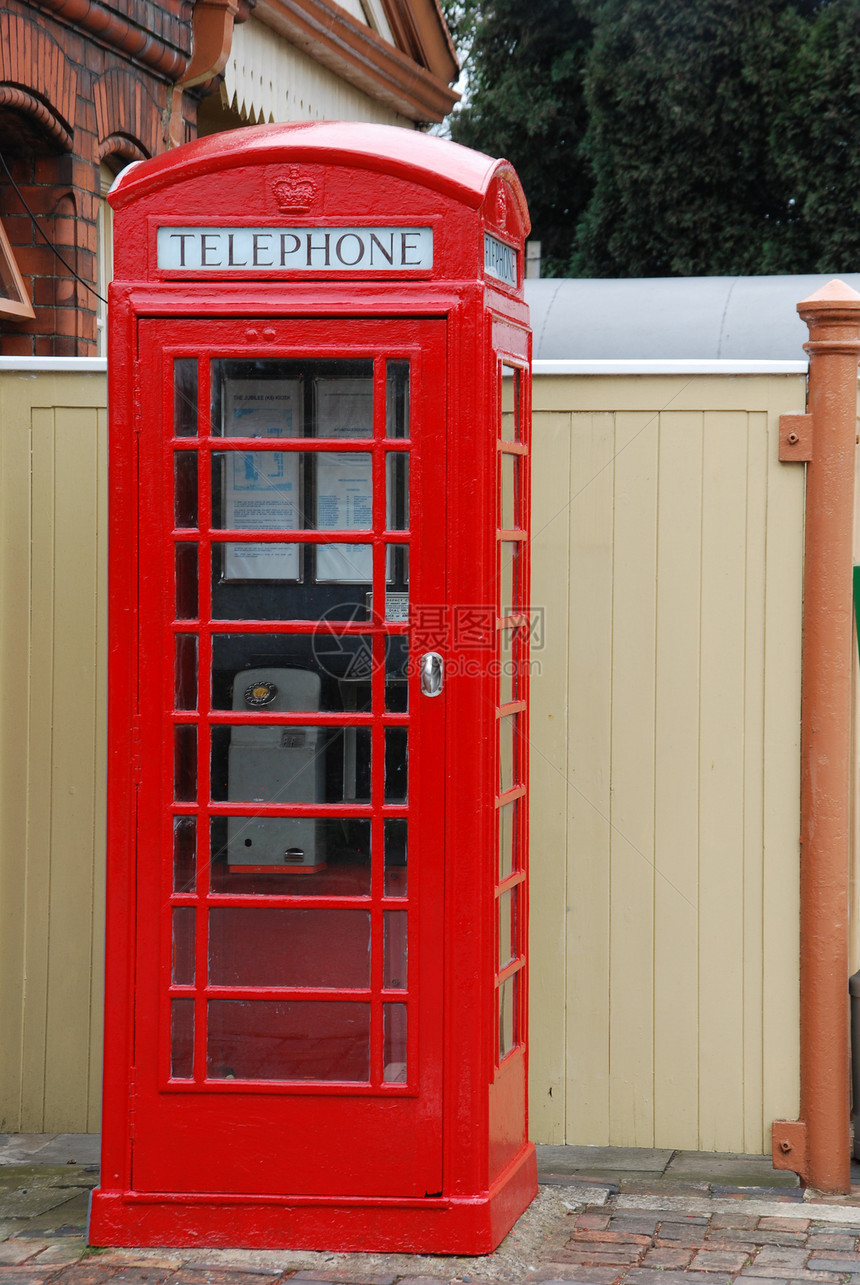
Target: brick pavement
[(626, 1228)]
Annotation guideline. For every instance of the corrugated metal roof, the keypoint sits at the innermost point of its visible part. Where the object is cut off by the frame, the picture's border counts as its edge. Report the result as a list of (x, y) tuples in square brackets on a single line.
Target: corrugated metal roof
[(734, 318)]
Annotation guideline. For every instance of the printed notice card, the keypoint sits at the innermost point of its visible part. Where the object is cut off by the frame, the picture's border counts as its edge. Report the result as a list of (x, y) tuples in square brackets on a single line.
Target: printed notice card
[(261, 488)]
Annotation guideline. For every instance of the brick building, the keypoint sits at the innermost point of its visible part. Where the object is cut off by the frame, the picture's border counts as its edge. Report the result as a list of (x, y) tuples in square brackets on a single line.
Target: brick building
[(87, 86)]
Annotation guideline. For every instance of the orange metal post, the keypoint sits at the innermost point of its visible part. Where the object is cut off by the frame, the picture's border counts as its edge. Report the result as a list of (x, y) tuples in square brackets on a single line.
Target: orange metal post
[(817, 1146)]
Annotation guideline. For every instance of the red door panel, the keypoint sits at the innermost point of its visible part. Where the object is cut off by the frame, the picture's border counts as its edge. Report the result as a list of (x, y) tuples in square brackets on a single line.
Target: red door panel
[(289, 879)]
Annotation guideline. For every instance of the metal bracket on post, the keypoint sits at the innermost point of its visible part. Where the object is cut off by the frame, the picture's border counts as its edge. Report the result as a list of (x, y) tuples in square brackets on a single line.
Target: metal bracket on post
[(789, 1146), (795, 438)]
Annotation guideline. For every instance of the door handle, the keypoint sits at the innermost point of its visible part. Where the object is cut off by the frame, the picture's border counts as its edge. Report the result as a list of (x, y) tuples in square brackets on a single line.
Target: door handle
[(432, 673)]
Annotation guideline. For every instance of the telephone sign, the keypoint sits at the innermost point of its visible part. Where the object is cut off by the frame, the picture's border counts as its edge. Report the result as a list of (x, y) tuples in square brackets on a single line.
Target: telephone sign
[(317, 894)]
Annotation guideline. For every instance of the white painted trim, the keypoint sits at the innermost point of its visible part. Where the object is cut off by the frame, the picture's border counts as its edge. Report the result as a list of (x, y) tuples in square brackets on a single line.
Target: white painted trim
[(51, 365), (668, 366)]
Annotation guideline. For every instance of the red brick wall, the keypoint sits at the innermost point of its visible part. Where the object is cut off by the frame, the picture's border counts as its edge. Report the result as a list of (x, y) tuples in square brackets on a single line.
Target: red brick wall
[(70, 98)]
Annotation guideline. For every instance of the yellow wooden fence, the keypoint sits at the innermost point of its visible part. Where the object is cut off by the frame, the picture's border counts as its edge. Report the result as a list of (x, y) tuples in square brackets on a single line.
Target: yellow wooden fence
[(667, 562)]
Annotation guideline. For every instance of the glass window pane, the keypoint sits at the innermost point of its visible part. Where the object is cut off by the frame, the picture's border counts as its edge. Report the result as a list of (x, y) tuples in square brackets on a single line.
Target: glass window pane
[(185, 763), (288, 1040), (344, 563), (396, 674), (184, 918), (184, 854), (343, 406), (186, 581), (344, 491), (396, 764), (287, 947), (507, 926), (291, 856), (510, 404), (508, 581), (182, 1039), (185, 672), (325, 671), (394, 1044), (185, 396), (250, 598), (507, 667), (257, 399), (397, 399), (509, 508), (394, 950), (395, 856), (397, 491), (508, 995), (297, 764), (508, 857), (185, 489), (257, 491), (507, 764)]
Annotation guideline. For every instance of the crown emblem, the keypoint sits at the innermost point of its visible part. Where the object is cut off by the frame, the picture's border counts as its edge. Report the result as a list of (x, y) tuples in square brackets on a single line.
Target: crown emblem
[(295, 192)]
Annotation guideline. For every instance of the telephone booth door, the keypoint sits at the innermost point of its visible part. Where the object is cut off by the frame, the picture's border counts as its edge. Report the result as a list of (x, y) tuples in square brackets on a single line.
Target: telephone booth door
[(290, 877)]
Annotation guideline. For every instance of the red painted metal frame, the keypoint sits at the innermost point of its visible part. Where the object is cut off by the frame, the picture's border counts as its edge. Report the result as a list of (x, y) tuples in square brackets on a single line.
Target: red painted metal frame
[(372, 176)]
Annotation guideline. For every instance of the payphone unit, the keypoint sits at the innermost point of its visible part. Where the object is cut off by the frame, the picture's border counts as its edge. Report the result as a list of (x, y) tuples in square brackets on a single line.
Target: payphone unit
[(317, 895)]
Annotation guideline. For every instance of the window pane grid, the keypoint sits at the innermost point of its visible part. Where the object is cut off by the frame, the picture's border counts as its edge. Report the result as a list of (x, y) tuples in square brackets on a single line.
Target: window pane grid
[(386, 1007)]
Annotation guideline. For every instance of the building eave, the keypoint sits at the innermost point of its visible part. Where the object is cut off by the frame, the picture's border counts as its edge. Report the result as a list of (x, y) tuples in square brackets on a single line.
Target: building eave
[(327, 33)]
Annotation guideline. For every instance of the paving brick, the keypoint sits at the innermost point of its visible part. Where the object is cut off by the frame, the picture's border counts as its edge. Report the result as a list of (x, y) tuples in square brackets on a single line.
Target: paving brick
[(785, 1239), (784, 1224), (834, 1263), (423, 1280), (140, 1275), (645, 1225), (68, 1250), (24, 1275), (599, 1255), (349, 1277), (213, 1276), (779, 1256), (719, 1260), (83, 1274), (787, 1274), (610, 1237), (694, 1239), (716, 1243), (831, 1240), (592, 1220), (18, 1251), (560, 1273), (657, 1257), (649, 1276)]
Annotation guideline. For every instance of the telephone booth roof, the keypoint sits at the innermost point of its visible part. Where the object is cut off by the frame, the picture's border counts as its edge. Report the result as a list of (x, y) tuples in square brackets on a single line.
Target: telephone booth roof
[(437, 164)]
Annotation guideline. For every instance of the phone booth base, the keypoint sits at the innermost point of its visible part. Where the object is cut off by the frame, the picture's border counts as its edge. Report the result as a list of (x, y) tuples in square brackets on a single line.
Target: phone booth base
[(317, 901), (434, 1226)]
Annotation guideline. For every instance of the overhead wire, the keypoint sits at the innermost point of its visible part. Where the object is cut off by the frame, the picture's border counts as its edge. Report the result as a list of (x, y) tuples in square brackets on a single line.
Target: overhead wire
[(46, 238)]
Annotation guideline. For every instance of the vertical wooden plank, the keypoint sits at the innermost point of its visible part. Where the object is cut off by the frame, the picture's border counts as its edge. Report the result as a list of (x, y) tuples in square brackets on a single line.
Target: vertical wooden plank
[(676, 804), (632, 815), (14, 649), (548, 740), (721, 960), (73, 784), (757, 463), (37, 681), (588, 798), (94, 1085), (781, 823)]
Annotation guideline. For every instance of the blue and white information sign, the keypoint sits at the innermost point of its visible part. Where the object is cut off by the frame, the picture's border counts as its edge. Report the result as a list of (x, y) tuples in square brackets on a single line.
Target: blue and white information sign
[(500, 261)]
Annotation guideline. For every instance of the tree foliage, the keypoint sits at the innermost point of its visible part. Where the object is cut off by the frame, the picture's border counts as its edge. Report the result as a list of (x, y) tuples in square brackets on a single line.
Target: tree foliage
[(526, 103), (674, 137)]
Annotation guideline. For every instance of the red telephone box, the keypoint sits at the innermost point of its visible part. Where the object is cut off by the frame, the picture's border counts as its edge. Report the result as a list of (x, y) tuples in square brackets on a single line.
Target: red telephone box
[(316, 980)]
